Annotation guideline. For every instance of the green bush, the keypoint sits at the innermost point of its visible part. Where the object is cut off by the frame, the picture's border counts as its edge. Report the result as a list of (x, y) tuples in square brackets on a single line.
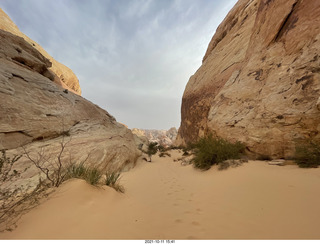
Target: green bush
[(308, 155), (210, 150)]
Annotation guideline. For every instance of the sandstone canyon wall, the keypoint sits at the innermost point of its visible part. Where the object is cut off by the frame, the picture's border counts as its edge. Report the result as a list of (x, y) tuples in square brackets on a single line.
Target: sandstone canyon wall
[(260, 78), (38, 114), (61, 74)]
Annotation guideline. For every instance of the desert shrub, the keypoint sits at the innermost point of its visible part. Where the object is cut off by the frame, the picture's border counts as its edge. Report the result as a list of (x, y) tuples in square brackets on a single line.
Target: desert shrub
[(15, 200), (92, 175), (210, 150), (161, 148), (76, 171), (112, 180), (6, 164), (308, 155), (152, 149), (53, 168), (8, 197)]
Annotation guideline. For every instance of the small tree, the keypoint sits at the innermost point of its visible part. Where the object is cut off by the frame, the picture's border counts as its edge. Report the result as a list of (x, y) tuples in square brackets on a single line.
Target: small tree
[(152, 149), (8, 196), (53, 168), (14, 200)]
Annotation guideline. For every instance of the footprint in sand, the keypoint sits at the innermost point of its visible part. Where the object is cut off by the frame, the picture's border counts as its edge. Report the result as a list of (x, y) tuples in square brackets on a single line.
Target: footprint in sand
[(178, 221), (199, 211), (195, 223)]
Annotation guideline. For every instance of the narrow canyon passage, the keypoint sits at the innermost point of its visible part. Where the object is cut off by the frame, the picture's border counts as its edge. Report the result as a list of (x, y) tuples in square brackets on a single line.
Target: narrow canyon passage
[(165, 200)]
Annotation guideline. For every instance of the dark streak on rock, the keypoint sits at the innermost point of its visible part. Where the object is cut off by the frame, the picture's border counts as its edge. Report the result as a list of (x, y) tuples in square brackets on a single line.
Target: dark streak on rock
[(286, 24), (306, 77), (257, 74), (19, 76)]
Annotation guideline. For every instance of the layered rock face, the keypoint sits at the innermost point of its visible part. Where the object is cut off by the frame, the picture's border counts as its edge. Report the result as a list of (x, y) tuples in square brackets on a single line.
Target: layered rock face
[(164, 137), (39, 115), (61, 74), (259, 80)]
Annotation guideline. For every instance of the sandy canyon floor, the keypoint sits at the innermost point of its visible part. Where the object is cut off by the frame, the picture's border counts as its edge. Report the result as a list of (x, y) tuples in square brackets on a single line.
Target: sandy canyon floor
[(165, 200)]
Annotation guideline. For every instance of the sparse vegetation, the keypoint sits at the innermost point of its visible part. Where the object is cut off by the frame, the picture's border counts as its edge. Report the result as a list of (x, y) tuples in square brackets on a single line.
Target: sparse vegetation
[(112, 180), (210, 150), (161, 148), (6, 164), (53, 168), (76, 171), (308, 155), (14, 200), (152, 149), (92, 175)]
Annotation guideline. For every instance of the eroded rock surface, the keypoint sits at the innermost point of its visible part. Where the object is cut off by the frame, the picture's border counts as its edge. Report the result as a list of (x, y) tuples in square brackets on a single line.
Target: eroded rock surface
[(62, 75), (259, 80), (38, 115), (164, 137)]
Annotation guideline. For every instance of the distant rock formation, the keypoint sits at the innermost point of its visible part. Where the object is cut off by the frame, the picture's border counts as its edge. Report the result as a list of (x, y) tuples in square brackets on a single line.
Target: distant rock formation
[(38, 114), (259, 80), (61, 74), (163, 137)]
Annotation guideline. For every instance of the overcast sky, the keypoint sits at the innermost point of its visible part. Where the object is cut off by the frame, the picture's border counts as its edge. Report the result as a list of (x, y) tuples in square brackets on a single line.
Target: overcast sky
[(133, 58)]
